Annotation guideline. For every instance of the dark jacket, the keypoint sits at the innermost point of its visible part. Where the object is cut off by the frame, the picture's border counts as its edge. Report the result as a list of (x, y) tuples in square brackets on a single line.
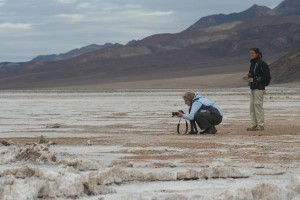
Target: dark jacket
[(259, 71)]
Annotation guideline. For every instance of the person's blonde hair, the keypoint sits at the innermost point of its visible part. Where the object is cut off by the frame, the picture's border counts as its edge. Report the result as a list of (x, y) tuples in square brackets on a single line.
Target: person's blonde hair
[(189, 96)]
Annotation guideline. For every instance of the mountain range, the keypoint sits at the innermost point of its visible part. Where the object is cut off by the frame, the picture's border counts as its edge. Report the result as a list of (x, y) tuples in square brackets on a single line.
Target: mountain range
[(215, 44), (73, 53), (290, 7)]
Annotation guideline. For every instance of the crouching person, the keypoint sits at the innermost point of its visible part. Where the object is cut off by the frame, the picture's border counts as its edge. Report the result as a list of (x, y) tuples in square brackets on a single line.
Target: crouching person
[(204, 111)]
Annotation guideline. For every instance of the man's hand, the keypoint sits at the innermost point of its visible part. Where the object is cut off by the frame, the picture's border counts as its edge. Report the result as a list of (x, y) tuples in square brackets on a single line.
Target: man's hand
[(245, 78), (179, 114)]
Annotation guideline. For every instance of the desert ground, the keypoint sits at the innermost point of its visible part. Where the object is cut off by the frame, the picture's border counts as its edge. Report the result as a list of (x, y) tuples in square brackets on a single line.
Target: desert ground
[(122, 144)]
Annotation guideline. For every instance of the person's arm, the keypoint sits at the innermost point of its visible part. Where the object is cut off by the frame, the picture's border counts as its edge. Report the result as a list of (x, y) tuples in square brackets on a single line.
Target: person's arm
[(195, 107), (250, 75), (266, 71)]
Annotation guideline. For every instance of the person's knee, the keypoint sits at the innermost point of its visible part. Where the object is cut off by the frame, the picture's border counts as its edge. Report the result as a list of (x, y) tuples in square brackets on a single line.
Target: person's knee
[(219, 120), (198, 116)]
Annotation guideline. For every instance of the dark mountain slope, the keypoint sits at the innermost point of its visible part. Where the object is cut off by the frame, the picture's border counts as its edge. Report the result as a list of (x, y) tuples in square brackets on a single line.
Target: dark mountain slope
[(288, 7), (221, 48), (73, 53), (287, 68), (212, 20), (166, 56)]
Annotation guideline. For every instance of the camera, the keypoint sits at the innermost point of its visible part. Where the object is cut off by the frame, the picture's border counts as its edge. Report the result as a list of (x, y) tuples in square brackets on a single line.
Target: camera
[(252, 83), (176, 113)]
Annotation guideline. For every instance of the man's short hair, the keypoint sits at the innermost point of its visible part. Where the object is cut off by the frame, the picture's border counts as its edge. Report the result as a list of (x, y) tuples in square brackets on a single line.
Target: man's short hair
[(189, 95)]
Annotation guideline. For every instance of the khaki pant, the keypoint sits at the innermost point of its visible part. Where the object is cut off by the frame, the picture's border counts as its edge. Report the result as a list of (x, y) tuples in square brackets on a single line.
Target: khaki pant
[(256, 107)]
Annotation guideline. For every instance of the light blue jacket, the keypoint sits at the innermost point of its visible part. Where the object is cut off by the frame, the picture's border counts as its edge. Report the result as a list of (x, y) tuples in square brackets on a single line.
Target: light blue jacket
[(198, 101)]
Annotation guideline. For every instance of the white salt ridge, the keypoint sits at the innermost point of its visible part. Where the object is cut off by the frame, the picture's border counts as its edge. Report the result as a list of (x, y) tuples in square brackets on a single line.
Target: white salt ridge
[(264, 191), (31, 182), (70, 183)]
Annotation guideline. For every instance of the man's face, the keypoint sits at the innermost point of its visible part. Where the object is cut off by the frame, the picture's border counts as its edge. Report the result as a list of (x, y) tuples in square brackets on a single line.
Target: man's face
[(187, 102), (252, 54)]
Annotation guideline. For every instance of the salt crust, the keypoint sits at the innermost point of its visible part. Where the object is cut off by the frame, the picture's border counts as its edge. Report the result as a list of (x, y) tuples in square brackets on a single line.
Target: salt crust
[(80, 178)]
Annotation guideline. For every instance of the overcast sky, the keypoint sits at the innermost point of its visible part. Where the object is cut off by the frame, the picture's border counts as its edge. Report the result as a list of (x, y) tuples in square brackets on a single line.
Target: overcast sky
[(39, 27)]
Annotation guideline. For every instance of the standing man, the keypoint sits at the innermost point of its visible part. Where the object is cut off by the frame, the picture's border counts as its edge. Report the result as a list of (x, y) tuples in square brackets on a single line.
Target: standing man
[(258, 78)]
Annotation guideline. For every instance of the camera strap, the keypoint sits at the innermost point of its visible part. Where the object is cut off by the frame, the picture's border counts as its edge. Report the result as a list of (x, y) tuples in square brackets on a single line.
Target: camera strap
[(186, 126)]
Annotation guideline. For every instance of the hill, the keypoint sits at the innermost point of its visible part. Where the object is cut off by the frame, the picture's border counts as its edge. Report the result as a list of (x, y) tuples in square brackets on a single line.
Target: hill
[(214, 49), (287, 7), (73, 53), (287, 68), (254, 11)]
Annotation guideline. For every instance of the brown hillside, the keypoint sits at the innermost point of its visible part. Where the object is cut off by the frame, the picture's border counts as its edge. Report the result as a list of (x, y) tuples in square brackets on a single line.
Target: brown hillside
[(287, 68), (213, 50)]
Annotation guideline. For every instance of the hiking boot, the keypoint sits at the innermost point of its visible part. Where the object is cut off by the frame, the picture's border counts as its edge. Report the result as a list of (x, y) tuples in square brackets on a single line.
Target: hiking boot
[(259, 128), (251, 128), (192, 132), (210, 130)]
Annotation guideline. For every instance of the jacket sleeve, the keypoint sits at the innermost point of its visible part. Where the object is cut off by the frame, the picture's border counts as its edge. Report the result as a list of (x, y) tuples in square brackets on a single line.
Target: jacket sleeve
[(195, 107), (265, 71)]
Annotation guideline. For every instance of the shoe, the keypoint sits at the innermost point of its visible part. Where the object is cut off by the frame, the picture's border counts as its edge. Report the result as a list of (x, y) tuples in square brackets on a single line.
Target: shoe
[(210, 130), (251, 128), (259, 128), (192, 132), (256, 128)]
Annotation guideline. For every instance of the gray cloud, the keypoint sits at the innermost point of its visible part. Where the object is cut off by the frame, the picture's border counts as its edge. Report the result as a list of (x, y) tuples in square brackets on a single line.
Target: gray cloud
[(34, 27)]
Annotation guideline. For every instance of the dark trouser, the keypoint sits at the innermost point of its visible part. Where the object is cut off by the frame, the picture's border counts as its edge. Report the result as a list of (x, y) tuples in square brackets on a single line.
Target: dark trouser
[(193, 123), (206, 120), (193, 126)]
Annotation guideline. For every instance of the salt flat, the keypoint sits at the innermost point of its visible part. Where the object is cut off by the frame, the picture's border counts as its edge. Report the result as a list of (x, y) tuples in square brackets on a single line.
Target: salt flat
[(122, 144)]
